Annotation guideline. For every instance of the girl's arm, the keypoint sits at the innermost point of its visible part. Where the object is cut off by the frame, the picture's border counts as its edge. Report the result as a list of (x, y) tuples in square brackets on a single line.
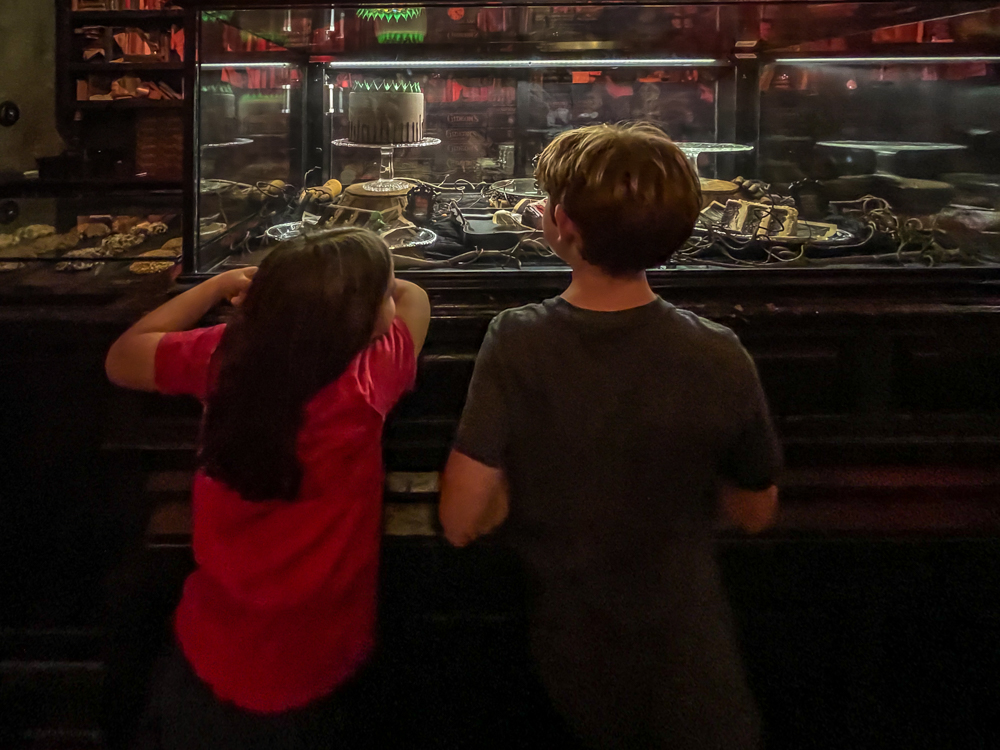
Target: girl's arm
[(414, 308), (131, 360)]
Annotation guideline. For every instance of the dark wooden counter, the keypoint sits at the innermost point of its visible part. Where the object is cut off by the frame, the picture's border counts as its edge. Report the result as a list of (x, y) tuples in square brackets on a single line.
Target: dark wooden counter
[(869, 614)]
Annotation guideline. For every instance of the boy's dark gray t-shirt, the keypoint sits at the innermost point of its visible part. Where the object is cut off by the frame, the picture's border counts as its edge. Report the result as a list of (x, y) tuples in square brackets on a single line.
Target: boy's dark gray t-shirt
[(614, 430)]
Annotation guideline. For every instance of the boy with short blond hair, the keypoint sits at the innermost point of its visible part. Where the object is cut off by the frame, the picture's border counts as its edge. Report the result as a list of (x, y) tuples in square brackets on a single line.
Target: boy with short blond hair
[(619, 427)]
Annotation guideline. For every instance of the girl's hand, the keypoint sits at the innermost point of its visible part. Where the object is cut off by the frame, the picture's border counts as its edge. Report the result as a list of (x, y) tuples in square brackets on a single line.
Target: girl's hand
[(131, 362), (233, 285)]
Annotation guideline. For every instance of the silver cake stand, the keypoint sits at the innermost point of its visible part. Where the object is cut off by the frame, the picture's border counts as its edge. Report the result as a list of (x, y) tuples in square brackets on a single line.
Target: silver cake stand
[(885, 150), (693, 150), (386, 182), (227, 144)]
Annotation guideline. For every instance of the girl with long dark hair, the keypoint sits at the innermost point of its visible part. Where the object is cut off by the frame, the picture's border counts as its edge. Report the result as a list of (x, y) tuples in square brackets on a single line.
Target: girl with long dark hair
[(279, 616)]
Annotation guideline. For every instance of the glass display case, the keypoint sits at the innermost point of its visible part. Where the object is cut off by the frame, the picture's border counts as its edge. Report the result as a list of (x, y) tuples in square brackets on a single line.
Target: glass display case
[(844, 135), (81, 242)]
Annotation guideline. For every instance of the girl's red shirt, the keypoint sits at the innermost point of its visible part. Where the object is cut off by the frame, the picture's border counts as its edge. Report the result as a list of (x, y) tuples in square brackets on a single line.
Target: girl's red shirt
[(281, 608)]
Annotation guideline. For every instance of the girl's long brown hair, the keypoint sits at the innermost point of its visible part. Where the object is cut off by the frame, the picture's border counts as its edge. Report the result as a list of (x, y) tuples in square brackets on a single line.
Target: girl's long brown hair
[(312, 307)]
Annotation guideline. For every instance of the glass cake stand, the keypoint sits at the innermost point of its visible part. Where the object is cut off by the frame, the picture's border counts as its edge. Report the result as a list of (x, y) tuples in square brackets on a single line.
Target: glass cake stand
[(227, 144), (693, 150), (386, 182), (885, 150)]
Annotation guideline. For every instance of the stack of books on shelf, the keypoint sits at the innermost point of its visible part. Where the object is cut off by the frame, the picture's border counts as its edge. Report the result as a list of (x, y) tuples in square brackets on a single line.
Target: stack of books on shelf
[(123, 5), (97, 88), (130, 45)]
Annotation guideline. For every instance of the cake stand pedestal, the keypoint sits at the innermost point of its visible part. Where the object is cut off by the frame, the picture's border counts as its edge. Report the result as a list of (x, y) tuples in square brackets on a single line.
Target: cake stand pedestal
[(227, 144), (390, 203), (386, 182), (693, 150), (885, 150)]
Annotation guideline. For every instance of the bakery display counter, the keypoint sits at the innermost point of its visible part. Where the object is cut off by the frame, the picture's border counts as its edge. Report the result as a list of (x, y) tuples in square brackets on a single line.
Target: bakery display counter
[(66, 243), (827, 135)]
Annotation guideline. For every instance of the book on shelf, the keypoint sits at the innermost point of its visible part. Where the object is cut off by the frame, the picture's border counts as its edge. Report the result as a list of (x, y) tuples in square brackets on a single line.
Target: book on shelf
[(168, 91), (123, 5), (100, 88), (131, 44)]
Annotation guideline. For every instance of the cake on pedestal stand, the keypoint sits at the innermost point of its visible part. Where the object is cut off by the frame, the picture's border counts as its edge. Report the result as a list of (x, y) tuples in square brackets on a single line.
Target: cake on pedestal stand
[(712, 190), (387, 195)]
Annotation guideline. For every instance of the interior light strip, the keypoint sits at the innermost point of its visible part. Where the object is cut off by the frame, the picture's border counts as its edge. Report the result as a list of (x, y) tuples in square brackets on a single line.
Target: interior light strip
[(885, 60), (589, 63), (236, 64)]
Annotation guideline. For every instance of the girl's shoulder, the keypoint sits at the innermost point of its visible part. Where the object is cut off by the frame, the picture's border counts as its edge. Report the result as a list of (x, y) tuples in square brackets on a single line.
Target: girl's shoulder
[(385, 370)]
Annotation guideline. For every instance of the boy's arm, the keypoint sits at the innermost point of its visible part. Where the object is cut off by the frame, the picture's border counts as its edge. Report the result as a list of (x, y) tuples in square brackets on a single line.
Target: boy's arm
[(413, 307), (132, 358), (751, 510), (473, 487), (473, 499), (748, 495)]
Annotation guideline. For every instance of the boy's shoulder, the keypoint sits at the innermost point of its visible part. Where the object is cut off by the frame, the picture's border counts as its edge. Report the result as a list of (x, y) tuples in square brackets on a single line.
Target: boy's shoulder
[(683, 323), (520, 319), (706, 329), (709, 342), (702, 344)]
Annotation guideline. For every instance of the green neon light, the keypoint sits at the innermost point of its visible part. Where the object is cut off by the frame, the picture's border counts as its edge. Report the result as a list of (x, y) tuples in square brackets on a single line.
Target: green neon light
[(389, 14), (400, 37)]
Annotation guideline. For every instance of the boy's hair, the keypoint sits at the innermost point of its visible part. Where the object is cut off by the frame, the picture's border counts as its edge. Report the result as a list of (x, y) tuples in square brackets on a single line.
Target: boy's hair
[(312, 307), (629, 190)]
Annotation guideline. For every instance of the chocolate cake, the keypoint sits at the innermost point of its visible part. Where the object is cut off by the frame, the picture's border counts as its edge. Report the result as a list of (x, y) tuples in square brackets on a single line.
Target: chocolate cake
[(386, 113), (261, 114), (217, 114)]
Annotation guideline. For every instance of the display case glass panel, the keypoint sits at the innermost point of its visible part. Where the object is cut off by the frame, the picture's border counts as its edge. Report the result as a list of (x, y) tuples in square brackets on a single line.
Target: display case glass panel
[(83, 242), (826, 135)]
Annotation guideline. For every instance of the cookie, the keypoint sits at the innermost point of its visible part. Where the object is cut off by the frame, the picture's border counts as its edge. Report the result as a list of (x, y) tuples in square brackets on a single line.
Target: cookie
[(34, 232), (143, 267), (150, 228), (75, 265), (54, 243), (117, 244), (125, 224), (95, 229)]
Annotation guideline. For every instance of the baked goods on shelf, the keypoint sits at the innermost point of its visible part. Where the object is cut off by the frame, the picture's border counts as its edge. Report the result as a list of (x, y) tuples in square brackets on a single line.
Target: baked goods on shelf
[(759, 219), (54, 243), (34, 232), (144, 267), (85, 258), (37, 239), (386, 112), (106, 238)]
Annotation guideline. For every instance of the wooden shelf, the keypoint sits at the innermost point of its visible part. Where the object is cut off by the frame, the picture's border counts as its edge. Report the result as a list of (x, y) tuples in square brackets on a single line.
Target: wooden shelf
[(106, 67), (249, 59), (105, 17), (91, 186), (131, 104)]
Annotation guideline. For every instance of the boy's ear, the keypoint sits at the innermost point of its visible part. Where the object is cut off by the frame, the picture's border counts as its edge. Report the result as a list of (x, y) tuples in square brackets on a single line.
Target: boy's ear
[(568, 233)]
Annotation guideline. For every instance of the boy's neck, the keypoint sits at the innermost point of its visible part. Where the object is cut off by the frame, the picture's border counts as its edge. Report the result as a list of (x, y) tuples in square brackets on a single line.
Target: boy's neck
[(591, 289)]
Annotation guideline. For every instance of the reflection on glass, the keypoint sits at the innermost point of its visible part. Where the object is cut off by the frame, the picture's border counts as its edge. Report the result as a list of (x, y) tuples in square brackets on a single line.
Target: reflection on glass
[(825, 134)]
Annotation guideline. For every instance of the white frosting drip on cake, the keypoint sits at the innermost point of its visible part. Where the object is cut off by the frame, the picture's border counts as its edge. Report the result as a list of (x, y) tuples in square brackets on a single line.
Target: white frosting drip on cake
[(386, 116)]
